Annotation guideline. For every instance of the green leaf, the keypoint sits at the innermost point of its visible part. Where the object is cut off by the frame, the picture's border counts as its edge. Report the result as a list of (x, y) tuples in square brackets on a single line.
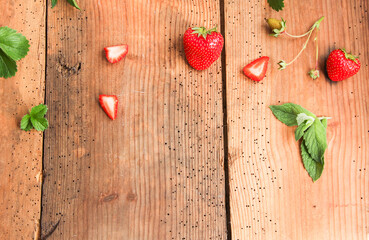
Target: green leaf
[(300, 130), (35, 119), (26, 123), (313, 168), (13, 44), (316, 140), (324, 121), (302, 117), (287, 113), (40, 124), (53, 3), (73, 3), (38, 111), (8, 67), (276, 4)]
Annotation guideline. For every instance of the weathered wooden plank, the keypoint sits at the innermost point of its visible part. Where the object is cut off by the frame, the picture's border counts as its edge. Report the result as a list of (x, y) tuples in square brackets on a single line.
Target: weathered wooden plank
[(157, 171), (272, 196), (21, 152)]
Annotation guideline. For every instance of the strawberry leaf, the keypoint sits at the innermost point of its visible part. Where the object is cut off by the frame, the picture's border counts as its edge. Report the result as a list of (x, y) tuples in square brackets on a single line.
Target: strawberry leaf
[(35, 119), (26, 124), (53, 3), (39, 111), (8, 67), (13, 44), (73, 3), (39, 124), (276, 4)]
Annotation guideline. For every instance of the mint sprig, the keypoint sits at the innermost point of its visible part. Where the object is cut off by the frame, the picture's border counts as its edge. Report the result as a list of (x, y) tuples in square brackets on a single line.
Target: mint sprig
[(13, 47), (71, 2), (35, 119), (312, 130)]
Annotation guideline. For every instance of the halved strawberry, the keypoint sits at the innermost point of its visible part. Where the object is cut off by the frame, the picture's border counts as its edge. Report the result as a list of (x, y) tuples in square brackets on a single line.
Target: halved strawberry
[(110, 105), (116, 53), (256, 70)]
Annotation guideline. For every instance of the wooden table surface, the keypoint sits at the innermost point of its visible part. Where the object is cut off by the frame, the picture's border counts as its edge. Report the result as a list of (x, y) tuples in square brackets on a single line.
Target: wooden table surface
[(192, 154)]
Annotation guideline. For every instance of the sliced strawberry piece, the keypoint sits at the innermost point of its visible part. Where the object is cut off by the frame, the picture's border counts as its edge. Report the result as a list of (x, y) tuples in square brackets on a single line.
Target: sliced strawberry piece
[(256, 70), (109, 104), (116, 53)]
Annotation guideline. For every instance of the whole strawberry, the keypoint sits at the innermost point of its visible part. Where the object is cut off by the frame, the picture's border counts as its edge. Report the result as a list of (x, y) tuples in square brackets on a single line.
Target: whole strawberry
[(342, 65), (202, 47)]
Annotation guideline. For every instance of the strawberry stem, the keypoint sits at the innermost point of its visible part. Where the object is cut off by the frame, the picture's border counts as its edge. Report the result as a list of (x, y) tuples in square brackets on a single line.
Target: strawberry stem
[(201, 31), (296, 36), (303, 48), (349, 56), (317, 49), (283, 64)]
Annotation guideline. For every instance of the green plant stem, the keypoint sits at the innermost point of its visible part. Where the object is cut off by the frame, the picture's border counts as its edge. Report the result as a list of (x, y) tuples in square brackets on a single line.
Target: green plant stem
[(317, 49), (303, 48), (296, 36)]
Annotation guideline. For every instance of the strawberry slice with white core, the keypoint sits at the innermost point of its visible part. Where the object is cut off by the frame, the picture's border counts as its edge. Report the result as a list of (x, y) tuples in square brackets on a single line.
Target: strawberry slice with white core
[(256, 70), (116, 53), (109, 104)]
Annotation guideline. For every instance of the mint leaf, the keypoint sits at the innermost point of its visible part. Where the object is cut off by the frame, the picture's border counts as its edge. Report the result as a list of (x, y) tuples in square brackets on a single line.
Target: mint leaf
[(39, 124), (26, 124), (13, 44), (313, 168), (8, 67), (324, 120), (38, 111), (300, 130), (53, 3), (276, 4), (316, 140), (312, 129), (73, 3), (287, 113), (302, 117)]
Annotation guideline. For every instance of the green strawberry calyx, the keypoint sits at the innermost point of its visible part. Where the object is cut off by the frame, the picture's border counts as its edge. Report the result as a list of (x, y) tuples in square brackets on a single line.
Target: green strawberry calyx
[(201, 31), (314, 74), (278, 27), (349, 56)]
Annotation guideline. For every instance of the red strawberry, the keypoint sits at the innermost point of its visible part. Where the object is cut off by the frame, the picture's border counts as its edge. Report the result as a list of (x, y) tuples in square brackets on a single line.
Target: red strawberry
[(342, 65), (202, 47), (110, 105), (116, 53), (256, 69)]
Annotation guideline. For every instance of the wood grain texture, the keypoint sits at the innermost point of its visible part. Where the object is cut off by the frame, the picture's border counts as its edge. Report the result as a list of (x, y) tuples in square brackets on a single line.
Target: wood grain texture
[(156, 172), (271, 194), (20, 151)]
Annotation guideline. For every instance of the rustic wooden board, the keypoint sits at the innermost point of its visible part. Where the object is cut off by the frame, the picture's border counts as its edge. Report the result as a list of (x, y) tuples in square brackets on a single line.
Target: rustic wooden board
[(157, 171), (271, 195), (21, 152)]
